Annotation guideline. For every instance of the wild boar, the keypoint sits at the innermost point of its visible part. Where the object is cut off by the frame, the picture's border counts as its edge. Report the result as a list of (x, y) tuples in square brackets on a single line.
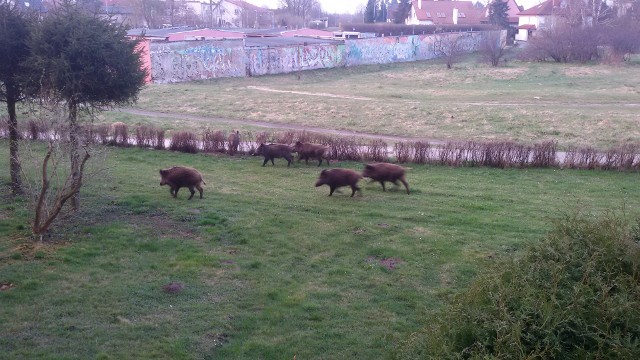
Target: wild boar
[(180, 176), (336, 178), (313, 151), (233, 141), (271, 151), (382, 172)]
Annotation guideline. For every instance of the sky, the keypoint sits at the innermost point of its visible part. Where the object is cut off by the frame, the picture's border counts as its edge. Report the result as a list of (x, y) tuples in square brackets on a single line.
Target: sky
[(330, 6), (353, 6)]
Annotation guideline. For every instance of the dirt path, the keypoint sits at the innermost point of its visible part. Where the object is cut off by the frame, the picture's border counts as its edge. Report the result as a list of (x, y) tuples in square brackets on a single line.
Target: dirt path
[(217, 120)]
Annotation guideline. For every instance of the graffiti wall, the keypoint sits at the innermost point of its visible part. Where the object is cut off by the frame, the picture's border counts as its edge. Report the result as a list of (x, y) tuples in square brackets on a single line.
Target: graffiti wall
[(187, 61), (269, 60), (197, 60)]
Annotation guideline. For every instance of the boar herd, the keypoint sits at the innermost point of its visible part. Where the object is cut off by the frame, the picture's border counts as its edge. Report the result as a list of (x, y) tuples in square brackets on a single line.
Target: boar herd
[(179, 176)]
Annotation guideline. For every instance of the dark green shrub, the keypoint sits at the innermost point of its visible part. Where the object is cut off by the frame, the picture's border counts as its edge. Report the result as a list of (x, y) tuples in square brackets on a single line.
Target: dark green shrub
[(574, 295)]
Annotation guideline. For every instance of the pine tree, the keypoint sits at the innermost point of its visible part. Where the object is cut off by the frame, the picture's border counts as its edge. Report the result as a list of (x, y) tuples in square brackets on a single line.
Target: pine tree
[(498, 13), (370, 12)]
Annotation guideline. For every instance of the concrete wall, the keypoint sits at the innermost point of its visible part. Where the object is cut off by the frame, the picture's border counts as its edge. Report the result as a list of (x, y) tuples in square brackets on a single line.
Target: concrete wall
[(268, 60), (195, 60), (198, 60)]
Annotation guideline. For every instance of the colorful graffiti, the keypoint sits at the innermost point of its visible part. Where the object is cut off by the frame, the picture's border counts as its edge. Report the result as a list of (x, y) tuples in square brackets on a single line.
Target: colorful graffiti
[(181, 61), (186, 61)]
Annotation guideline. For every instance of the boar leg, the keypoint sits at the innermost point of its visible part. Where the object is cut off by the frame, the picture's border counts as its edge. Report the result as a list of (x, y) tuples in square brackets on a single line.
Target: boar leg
[(406, 186), (289, 159), (354, 188), (174, 191), (272, 163), (333, 188), (320, 163), (266, 160), (382, 183), (199, 190), (192, 192)]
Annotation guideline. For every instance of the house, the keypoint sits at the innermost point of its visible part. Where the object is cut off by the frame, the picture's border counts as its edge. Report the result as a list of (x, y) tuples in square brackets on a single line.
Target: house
[(512, 13), (232, 13), (430, 12), (539, 17)]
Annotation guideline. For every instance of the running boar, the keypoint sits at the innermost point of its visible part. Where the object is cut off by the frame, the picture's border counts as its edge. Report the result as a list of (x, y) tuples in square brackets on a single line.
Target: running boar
[(313, 151), (382, 172), (233, 141), (271, 151), (336, 178), (179, 176)]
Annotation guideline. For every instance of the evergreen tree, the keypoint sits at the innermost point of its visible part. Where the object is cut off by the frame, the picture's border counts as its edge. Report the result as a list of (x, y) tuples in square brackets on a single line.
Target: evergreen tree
[(370, 11), (499, 13), (86, 63), (15, 32), (402, 11)]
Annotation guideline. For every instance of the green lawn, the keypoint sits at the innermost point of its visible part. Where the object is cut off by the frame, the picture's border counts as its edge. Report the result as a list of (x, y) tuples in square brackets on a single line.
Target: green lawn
[(272, 266), (574, 104)]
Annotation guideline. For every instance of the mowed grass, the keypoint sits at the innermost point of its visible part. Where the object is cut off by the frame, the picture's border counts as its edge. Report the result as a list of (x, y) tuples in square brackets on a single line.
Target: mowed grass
[(574, 104), (273, 268)]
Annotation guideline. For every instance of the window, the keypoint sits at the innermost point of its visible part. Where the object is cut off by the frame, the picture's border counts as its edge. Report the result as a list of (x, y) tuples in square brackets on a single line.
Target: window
[(428, 14), (461, 15), (441, 14)]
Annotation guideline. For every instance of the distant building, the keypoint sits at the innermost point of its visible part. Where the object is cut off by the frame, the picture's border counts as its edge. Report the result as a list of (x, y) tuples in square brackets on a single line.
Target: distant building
[(430, 12), (539, 17), (232, 13)]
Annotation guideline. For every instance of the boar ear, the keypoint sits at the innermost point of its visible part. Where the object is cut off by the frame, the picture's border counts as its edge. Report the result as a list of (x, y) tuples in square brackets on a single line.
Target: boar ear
[(161, 171), (368, 167), (323, 172)]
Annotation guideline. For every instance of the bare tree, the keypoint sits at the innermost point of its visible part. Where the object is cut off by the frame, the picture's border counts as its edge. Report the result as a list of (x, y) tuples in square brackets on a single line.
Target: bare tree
[(492, 47), (302, 8), (449, 46), (92, 67), (50, 200)]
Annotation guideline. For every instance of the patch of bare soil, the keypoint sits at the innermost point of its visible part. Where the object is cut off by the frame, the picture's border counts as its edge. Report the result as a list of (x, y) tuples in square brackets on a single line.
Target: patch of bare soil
[(210, 341), (387, 263), (6, 286), (580, 71), (500, 73), (173, 287), (30, 249), (339, 96)]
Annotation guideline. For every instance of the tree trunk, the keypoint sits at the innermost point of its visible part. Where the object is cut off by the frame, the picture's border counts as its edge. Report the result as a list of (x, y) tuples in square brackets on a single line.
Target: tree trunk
[(74, 146), (14, 158)]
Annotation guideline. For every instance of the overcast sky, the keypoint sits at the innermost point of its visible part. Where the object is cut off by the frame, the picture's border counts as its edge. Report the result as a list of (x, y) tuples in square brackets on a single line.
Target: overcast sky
[(330, 6), (352, 6)]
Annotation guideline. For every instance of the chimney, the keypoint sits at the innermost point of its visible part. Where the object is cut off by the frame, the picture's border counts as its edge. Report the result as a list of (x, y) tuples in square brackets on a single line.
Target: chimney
[(455, 16), (419, 4)]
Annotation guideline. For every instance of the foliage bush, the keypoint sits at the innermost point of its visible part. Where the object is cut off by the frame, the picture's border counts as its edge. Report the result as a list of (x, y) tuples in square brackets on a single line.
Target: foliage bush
[(213, 141), (574, 295), (184, 141)]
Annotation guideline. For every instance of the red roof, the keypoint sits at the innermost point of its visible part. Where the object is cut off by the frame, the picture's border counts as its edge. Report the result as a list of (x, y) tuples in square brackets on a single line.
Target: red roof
[(549, 7), (528, 27), (441, 12)]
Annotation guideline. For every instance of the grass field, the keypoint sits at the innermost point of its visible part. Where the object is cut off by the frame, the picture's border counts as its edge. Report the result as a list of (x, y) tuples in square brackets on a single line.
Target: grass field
[(583, 105), (273, 268)]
